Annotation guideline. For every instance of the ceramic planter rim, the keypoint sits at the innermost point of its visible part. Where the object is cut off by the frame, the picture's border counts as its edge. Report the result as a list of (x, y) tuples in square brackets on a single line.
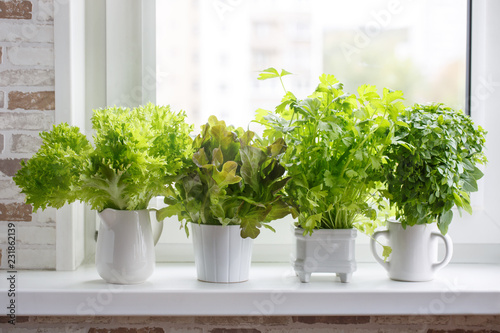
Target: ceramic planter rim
[(351, 231), (395, 221), (216, 225)]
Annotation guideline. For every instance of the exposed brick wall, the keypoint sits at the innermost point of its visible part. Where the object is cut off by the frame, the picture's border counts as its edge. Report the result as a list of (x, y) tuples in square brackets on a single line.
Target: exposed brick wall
[(40, 100), (16, 10), (27, 106), (282, 324)]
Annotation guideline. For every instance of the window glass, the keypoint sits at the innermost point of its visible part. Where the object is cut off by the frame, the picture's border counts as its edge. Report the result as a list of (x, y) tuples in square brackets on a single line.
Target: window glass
[(209, 54)]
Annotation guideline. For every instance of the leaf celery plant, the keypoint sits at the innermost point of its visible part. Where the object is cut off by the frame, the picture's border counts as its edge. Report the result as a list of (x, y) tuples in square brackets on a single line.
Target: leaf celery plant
[(135, 155), (434, 166), (233, 179), (337, 143)]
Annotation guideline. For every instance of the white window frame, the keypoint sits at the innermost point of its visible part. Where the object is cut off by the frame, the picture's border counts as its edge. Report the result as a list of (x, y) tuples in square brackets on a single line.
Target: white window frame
[(69, 46), (476, 237)]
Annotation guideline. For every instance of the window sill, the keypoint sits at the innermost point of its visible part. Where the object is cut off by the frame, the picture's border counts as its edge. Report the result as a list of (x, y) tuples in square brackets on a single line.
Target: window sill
[(272, 289)]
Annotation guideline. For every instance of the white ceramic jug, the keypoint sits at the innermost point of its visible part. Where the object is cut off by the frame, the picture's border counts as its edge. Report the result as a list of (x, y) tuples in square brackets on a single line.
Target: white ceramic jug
[(414, 254), (125, 251)]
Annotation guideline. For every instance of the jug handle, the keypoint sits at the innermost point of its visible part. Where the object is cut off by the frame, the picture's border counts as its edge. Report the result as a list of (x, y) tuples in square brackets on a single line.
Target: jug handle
[(373, 243), (156, 225), (449, 250)]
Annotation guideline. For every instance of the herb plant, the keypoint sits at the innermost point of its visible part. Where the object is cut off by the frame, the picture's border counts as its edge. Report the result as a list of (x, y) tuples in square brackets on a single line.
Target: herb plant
[(233, 180), (434, 165), (337, 144), (135, 155)]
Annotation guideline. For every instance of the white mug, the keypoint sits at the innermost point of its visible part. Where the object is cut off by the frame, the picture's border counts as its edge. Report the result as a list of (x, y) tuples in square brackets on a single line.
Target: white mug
[(414, 254)]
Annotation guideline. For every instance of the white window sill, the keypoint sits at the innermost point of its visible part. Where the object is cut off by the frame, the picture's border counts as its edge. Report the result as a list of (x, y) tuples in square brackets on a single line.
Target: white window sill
[(272, 290)]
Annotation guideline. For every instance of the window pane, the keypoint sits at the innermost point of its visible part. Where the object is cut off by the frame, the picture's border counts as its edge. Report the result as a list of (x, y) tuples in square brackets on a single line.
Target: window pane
[(209, 52)]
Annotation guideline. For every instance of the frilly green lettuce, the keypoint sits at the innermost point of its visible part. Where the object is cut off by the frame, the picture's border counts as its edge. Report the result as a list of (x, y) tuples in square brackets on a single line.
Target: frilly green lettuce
[(136, 154)]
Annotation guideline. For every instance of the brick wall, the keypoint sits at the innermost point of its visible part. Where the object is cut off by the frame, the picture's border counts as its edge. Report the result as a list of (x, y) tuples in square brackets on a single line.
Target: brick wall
[(297, 324), (27, 106)]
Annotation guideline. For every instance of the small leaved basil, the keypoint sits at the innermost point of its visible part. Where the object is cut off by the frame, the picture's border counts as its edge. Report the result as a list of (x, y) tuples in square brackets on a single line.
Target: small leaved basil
[(432, 165)]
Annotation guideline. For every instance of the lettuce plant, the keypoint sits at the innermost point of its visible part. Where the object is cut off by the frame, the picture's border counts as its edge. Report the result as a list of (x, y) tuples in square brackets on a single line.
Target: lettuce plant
[(433, 167), (136, 154), (233, 180), (337, 144)]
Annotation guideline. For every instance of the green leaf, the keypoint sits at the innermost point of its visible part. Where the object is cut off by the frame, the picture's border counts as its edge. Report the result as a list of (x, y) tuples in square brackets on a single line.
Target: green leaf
[(444, 221), (272, 172), (200, 158), (329, 180), (311, 222), (278, 211), (367, 92), (390, 96), (268, 73), (267, 226), (49, 178), (227, 175), (277, 148), (351, 173), (470, 184), (402, 123), (246, 138), (276, 186), (249, 228), (168, 211), (252, 159), (260, 114), (218, 210), (477, 174), (170, 200), (251, 201), (387, 250)]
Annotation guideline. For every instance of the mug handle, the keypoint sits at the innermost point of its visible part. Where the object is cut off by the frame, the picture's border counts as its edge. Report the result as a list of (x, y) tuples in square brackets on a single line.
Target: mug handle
[(449, 250), (373, 243), (156, 225)]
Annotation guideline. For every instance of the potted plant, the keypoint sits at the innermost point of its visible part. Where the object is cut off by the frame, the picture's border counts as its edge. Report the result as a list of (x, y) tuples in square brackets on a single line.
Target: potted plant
[(336, 143), (134, 156), (231, 189), (431, 168)]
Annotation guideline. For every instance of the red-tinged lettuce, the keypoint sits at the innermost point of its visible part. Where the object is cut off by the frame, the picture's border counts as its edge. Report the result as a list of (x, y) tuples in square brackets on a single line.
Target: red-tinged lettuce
[(136, 155), (233, 180)]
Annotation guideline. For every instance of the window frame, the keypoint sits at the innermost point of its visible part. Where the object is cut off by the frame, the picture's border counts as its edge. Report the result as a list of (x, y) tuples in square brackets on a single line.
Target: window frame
[(68, 48)]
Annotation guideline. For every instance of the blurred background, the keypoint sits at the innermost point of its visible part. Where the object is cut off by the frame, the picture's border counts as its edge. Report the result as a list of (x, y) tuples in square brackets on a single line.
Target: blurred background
[(209, 53)]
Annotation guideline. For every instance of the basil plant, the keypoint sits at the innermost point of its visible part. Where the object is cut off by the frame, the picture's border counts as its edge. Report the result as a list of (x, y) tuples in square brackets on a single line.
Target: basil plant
[(434, 165)]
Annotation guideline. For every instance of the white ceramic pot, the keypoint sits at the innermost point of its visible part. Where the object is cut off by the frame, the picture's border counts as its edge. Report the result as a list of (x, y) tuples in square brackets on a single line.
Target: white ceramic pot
[(125, 251), (325, 251), (414, 254), (220, 253)]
